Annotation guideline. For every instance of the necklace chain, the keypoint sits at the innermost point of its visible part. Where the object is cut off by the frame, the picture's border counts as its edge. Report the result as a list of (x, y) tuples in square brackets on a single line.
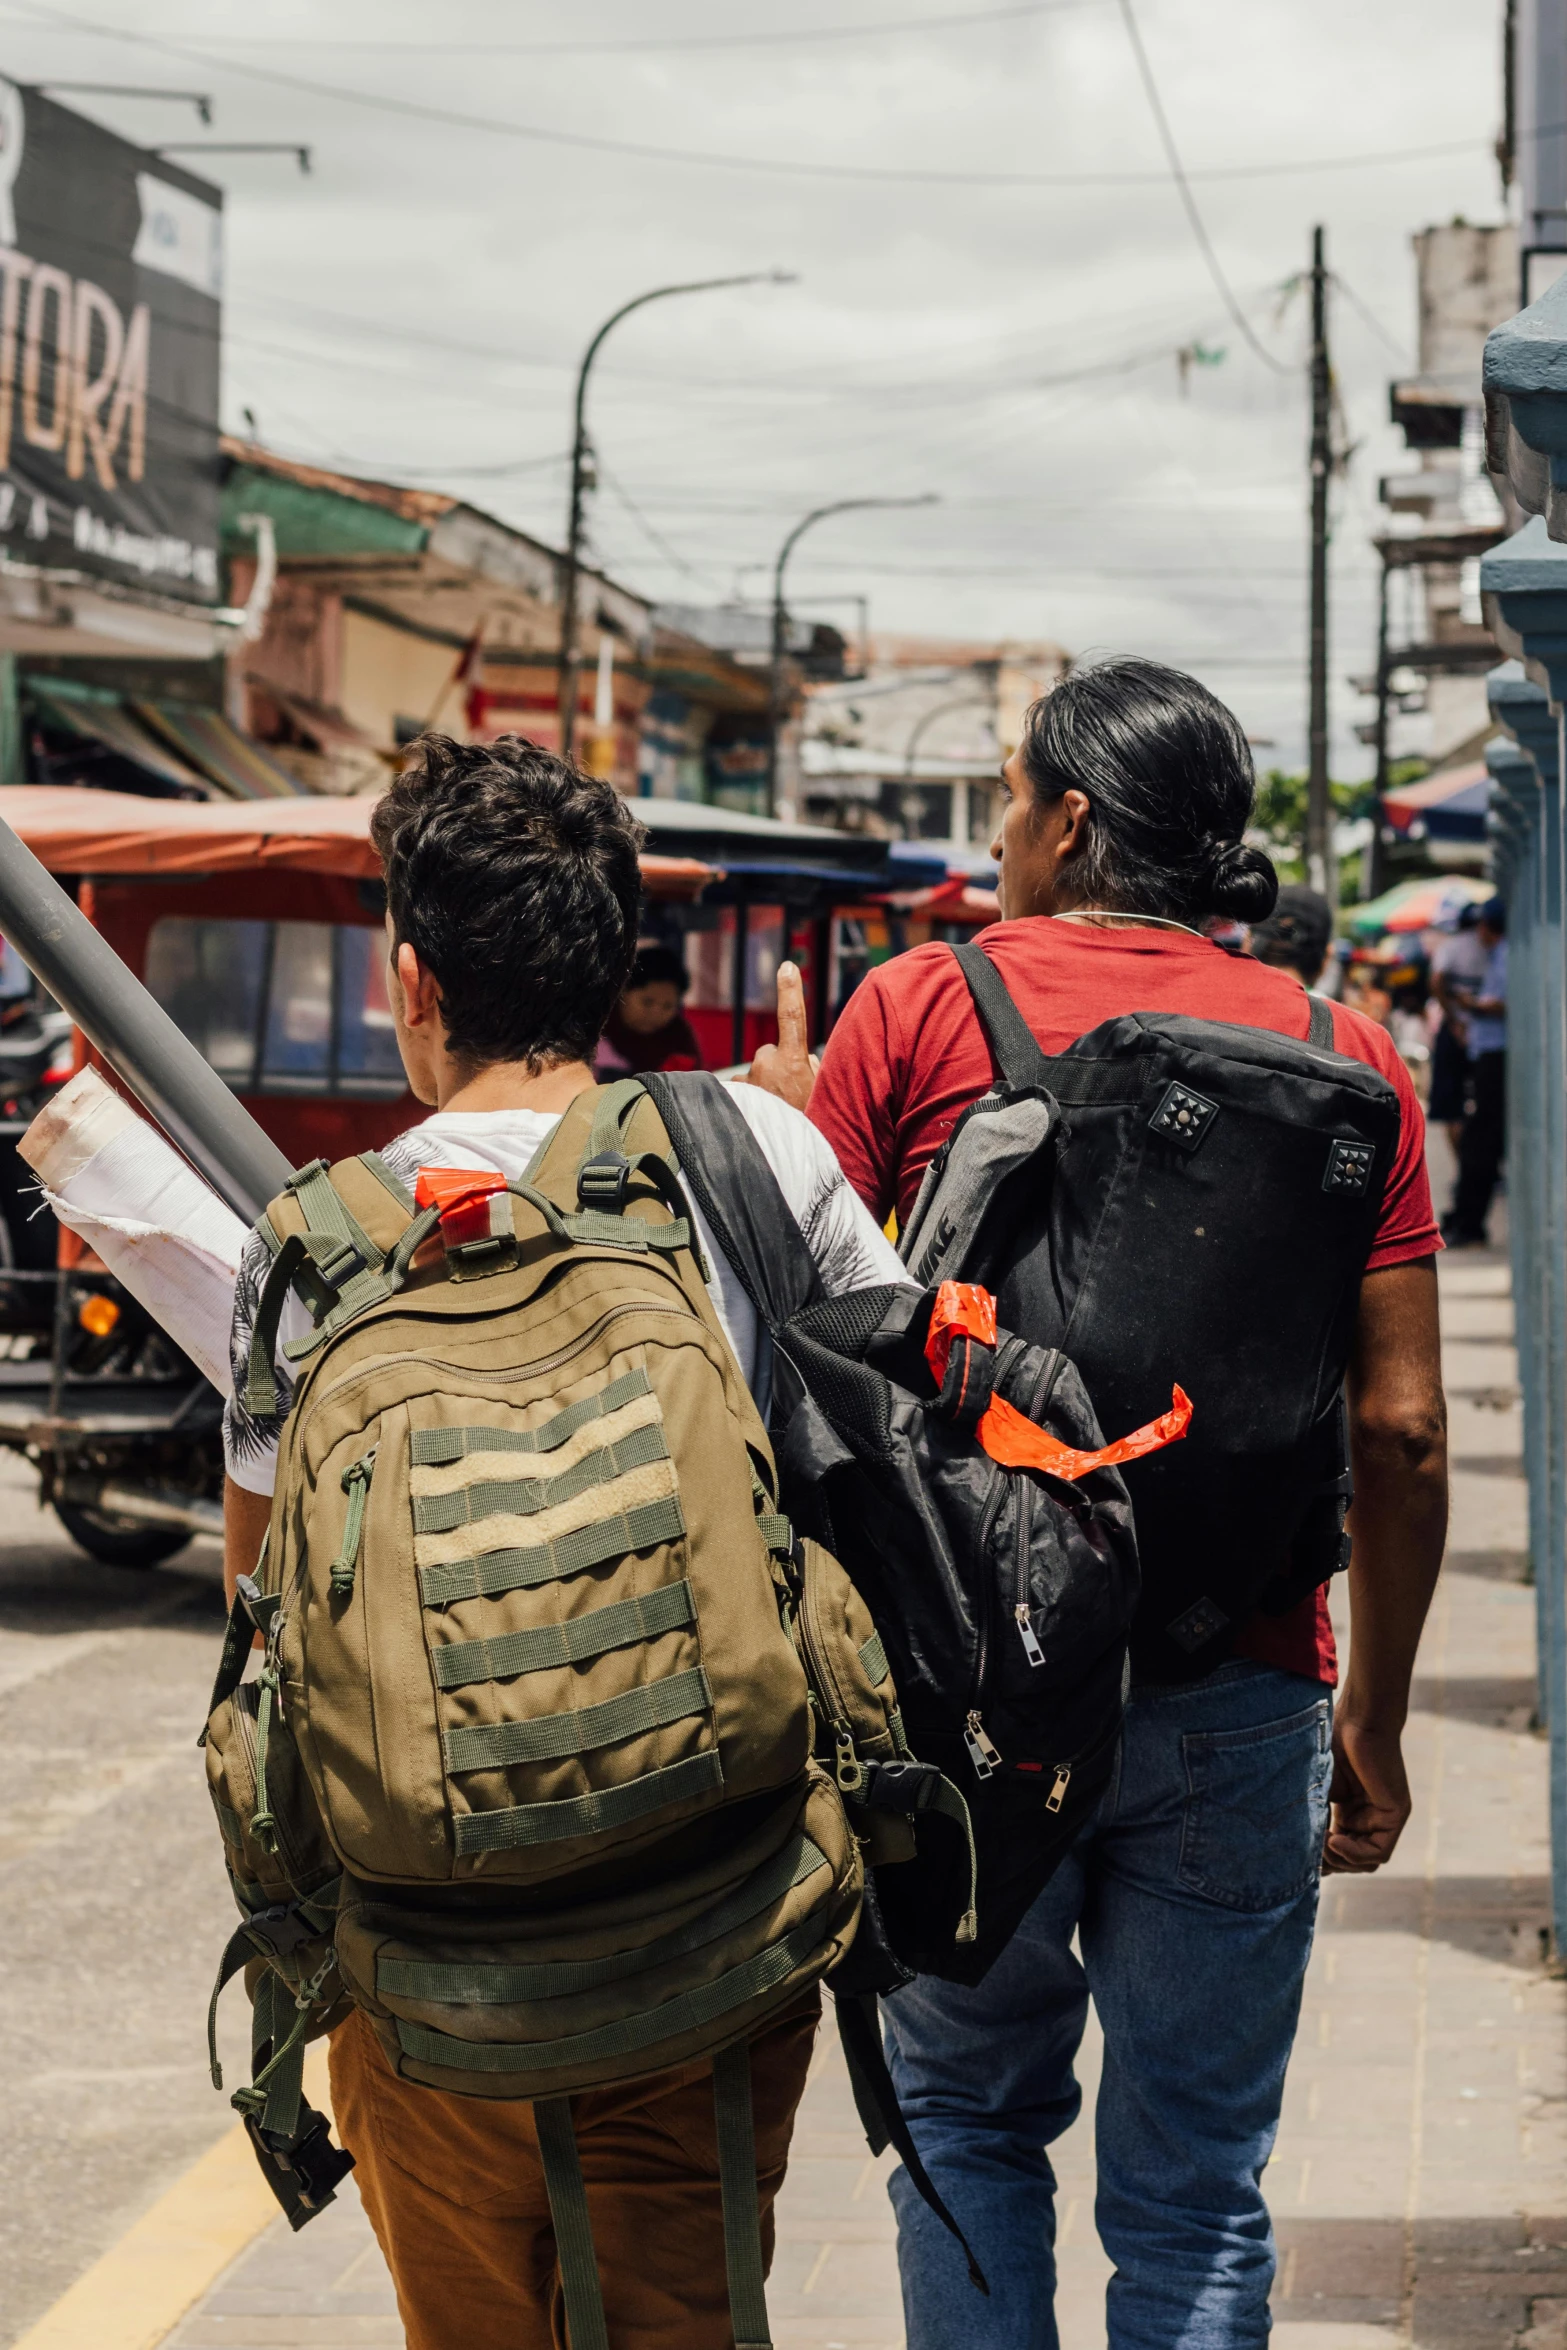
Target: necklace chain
[(1110, 914)]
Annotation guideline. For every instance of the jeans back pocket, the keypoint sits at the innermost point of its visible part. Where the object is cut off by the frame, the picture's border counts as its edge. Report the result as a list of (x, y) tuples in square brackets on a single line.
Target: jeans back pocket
[(1257, 1808)]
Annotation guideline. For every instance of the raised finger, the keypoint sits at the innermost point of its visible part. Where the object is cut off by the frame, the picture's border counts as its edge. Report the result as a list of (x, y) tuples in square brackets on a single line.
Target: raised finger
[(793, 1034)]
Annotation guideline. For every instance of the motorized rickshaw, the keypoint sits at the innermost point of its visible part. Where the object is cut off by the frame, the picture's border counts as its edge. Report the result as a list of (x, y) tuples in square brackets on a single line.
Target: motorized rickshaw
[(258, 927)]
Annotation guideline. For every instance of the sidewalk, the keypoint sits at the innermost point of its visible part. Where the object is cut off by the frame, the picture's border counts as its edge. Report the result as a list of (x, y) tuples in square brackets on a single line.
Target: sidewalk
[(1420, 2182)]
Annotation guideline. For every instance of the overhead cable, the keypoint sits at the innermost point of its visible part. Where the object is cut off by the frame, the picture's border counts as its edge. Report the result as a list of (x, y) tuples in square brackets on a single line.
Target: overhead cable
[(775, 166), (1188, 200)]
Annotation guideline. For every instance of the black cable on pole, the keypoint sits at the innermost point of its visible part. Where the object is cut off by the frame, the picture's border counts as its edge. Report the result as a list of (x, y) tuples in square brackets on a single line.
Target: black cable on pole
[(1178, 174)]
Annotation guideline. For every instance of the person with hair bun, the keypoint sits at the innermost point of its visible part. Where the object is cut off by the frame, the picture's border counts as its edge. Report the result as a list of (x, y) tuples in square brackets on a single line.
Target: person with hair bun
[(1186, 1906)]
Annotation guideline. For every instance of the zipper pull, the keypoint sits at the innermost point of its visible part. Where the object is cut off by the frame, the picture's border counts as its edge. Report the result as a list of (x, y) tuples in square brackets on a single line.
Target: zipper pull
[(846, 1769), (1029, 1637), (982, 1753), (1057, 1795), (356, 1484)]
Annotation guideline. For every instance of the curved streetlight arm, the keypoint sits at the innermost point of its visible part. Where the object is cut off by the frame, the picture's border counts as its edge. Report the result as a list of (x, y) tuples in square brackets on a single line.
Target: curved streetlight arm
[(928, 718), (570, 663), (807, 522)]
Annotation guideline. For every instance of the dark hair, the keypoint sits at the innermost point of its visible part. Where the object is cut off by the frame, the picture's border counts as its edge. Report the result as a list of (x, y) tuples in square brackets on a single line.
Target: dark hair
[(514, 878), (1494, 915), (656, 963), (1169, 780)]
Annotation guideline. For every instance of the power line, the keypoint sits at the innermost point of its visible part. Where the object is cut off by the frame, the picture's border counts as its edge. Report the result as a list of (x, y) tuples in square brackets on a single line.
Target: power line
[(1178, 174), (792, 37), (1369, 316), (777, 166)]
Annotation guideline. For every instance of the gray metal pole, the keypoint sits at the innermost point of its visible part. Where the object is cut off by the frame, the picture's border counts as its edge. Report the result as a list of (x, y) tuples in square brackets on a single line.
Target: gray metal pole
[(136, 1037)]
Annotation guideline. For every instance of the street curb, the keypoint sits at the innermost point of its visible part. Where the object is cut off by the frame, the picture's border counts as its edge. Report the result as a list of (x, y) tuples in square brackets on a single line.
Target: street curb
[(134, 2296)]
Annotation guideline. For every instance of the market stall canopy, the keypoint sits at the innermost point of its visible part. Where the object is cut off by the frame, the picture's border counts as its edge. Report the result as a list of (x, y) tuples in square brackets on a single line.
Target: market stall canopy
[(74, 830), (1421, 904), (760, 853), (1450, 806)]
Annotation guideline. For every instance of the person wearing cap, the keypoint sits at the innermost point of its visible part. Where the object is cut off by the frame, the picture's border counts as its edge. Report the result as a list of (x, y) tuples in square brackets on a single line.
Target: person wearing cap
[(1484, 1005), (1457, 963), (1295, 936)]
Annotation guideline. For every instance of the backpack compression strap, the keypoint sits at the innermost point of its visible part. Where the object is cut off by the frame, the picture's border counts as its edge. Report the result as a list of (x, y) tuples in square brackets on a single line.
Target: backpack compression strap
[(573, 2225)]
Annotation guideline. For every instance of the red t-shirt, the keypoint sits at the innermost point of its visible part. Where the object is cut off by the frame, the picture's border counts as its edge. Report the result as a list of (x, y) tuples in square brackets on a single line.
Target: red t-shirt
[(908, 1056)]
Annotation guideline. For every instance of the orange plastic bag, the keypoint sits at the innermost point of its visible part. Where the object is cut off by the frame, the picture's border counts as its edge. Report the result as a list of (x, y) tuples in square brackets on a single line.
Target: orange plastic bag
[(1014, 1442)]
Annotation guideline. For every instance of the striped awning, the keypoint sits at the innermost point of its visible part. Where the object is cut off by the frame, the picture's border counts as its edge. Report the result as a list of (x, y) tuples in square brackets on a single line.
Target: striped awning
[(239, 767)]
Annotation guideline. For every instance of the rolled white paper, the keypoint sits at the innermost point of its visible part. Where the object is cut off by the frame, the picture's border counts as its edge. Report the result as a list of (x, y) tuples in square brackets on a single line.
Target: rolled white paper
[(161, 1230)]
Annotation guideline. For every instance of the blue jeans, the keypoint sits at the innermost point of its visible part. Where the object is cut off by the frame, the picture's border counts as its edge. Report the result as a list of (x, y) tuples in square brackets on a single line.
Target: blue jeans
[(1193, 1894)]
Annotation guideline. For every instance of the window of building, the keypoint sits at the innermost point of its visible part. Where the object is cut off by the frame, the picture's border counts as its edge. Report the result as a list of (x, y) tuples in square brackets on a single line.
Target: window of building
[(281, 1007)]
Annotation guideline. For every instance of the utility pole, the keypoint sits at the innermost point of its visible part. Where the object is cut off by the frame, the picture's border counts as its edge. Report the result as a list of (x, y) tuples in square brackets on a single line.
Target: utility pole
[(1371, 861), (1321, 872), (582, 481), (776, 712)]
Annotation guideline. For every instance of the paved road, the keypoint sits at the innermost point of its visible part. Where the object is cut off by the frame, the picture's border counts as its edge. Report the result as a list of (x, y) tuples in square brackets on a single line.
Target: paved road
[(111, 1891)]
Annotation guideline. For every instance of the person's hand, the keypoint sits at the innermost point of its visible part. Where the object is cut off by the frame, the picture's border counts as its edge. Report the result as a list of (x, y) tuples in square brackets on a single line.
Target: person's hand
[(1369, 1796), (788, 1068)]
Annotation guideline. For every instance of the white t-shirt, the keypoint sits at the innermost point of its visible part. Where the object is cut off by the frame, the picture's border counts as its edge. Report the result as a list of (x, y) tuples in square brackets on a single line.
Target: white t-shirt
[(839, 1230)]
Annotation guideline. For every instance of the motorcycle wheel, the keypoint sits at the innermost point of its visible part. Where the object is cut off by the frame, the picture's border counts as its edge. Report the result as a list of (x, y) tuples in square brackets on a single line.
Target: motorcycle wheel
[(119, 1542)]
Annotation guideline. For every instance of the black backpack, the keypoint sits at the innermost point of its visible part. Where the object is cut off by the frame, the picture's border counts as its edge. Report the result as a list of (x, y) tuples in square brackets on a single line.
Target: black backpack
[(1003, 1597), (1182, 1199)]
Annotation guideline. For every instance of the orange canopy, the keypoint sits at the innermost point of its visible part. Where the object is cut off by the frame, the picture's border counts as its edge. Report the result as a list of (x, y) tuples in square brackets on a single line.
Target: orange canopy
[(77, 830)]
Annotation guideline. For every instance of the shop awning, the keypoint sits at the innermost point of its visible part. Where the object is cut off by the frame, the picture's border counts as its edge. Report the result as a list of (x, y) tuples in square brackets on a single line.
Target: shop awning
[(104, 719), (230, 759), (73, 829), (1450, 806)]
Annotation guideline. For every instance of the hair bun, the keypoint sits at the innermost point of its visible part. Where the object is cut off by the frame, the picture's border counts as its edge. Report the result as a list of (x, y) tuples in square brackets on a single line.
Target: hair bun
[(1242, 882)]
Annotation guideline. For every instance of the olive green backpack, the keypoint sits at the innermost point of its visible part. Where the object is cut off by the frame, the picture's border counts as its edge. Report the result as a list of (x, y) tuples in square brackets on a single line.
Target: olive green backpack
[(530, 1773)]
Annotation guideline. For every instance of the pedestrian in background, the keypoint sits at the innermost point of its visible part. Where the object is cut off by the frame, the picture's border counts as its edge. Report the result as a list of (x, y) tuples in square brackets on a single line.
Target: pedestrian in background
[(1457, 962), (1482, 1140), (1296, 935), (648, 1028)]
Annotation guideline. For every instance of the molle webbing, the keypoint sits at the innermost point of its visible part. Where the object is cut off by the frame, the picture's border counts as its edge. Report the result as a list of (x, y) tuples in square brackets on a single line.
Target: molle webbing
[(485, 1746), (495, 1571), (692, 2011), (474, 1983), (494, 1497), (522, 1825), (507, 1654), (436, 1446)]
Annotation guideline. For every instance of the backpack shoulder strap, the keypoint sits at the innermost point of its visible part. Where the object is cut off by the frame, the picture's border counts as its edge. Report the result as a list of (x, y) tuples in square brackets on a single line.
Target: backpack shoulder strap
[(727, 1174), (1017, 1051), (1319, 1029)]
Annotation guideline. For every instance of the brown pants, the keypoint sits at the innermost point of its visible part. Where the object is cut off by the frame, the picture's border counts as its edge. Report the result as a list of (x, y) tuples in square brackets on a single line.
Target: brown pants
[(454, 2187)]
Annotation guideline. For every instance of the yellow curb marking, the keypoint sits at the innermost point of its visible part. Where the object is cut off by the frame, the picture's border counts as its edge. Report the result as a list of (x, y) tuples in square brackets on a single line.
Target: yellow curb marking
[(136, 2294)]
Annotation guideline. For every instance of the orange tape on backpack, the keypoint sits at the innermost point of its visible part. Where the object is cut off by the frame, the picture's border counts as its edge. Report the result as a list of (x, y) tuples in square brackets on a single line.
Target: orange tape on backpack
[(472, 1203), (1012, 1440)]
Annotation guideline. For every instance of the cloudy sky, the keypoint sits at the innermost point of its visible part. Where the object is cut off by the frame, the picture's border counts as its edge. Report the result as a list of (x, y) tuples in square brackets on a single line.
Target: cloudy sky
[(994, 274)]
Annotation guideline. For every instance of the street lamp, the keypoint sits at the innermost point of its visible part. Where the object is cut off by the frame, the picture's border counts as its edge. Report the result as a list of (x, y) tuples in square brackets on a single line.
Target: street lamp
[(570, 661), (775, 697)]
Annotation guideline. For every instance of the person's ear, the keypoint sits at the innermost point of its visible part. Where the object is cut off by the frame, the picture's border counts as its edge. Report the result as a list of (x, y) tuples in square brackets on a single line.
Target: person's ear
[(421, 990), (1073, 838)]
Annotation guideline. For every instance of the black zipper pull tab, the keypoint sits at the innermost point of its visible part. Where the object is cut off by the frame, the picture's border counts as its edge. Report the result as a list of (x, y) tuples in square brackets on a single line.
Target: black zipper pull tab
[(1026, 1633), (1057, 1795), (982, 1753)]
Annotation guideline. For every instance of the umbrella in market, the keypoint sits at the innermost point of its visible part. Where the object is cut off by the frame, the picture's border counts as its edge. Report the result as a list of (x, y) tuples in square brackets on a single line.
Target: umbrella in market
[(1429, 902)]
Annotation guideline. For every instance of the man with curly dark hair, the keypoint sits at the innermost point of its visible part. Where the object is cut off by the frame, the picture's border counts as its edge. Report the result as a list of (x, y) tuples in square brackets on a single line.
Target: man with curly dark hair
[(513, 894)]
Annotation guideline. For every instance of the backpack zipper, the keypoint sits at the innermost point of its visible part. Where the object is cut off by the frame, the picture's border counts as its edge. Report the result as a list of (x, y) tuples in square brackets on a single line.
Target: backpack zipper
[(847, 1768), (533, 1370), (1022, 1614)]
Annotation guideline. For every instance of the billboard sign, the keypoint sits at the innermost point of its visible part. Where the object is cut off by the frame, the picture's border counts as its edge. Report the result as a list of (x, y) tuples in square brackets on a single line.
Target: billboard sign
[(111, 279)]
